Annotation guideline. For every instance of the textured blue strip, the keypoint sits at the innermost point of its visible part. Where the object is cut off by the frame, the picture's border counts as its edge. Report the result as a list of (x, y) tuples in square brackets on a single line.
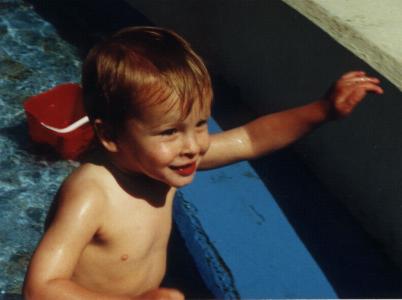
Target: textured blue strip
[(214, 272)]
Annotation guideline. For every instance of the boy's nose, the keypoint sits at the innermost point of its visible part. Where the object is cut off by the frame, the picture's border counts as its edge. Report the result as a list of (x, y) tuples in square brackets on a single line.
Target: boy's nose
[(191, 146)]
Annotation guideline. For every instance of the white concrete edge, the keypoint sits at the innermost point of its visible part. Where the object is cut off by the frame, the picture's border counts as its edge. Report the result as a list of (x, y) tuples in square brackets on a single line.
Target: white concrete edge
[(352, 39)]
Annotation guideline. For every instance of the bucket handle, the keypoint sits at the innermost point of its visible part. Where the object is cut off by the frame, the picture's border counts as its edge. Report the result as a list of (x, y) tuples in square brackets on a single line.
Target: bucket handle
[(69, 128)]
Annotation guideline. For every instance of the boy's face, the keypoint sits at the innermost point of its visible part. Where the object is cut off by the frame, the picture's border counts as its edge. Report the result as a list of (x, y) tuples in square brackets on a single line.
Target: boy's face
[(163, 146)]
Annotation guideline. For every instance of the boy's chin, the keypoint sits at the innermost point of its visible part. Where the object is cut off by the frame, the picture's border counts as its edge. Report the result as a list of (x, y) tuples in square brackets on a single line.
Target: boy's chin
[(182, 182)]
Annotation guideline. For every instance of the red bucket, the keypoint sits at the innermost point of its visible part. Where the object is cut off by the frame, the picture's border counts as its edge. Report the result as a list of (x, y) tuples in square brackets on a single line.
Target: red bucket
[(57, 118)]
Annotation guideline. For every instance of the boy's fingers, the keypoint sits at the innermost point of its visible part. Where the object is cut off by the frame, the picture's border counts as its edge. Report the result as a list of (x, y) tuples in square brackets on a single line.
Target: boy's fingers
[(353, 74), (357, 93), (371, 79), (177, 295), (372, 87), (172, 294), (361, 80), (163, 294)]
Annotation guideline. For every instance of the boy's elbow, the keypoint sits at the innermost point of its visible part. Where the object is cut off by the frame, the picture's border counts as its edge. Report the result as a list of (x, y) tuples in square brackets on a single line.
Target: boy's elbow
[(30, 293), (33, 291)]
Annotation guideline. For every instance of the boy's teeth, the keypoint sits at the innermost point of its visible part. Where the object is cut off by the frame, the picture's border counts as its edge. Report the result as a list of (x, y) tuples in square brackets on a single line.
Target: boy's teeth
[(185, 170), (181, 167)]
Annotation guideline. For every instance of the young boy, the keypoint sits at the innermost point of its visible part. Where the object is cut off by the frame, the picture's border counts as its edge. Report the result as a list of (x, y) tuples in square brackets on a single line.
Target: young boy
[(148, 96)]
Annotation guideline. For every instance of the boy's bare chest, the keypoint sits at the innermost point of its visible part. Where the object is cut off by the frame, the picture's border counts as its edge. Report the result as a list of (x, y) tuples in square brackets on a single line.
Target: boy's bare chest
[(130, 247), (142, 227), (135, 226)]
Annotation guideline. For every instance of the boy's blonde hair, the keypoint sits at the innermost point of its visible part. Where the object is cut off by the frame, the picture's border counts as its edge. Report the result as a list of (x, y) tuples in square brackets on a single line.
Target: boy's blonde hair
[(139, 67)]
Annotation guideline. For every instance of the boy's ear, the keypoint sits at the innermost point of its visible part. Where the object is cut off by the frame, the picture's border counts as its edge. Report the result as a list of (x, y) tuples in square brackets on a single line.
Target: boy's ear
[(105, 135)]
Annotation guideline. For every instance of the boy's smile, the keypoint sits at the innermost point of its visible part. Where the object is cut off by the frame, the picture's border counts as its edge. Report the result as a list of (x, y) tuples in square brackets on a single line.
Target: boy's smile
[(185, 170)]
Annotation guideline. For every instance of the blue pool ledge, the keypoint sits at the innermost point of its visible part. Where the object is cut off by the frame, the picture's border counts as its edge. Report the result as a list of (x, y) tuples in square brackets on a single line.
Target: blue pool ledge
[(240, 239)]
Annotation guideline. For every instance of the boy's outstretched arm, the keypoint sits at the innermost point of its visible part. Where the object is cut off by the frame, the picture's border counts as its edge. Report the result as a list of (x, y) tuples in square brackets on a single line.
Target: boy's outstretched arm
[(275, 131)]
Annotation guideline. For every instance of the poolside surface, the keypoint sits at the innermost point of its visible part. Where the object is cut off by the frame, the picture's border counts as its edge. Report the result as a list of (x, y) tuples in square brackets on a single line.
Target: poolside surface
[(368, 28)]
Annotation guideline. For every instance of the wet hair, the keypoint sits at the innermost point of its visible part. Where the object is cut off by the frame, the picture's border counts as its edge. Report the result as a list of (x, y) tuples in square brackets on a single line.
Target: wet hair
[(139, 67)]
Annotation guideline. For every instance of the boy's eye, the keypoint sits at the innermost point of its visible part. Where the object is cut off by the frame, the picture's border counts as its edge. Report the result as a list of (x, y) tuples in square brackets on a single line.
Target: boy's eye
[(201, 123), (169, 131)]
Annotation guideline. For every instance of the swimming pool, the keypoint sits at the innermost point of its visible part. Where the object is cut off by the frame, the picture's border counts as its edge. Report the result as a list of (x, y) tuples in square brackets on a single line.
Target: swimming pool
[(33, 58)]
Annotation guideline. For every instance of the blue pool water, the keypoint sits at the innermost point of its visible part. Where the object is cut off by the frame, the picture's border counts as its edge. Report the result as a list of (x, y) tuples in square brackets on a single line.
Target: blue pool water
[(33, 58)]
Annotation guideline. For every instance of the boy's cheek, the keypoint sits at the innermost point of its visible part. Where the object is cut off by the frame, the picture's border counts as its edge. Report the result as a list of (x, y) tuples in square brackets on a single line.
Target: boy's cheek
[(164, 153), (205, 144)]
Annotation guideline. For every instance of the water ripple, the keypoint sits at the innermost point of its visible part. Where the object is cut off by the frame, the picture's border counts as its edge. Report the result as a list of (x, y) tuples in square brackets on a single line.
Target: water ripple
[(33, 58)]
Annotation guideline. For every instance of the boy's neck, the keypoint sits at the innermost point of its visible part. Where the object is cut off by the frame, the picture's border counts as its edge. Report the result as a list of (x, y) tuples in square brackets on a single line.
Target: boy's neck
[(136, 184), (139, 185)]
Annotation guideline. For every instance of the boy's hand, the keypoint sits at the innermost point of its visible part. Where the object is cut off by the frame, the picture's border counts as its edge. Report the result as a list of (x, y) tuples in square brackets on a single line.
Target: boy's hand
[(162, 294), (348, 92)]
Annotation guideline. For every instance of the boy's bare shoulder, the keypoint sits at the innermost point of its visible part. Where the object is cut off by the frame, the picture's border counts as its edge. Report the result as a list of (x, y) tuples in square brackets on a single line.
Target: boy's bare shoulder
[(86, 174), (81, 192), (87, 183)]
